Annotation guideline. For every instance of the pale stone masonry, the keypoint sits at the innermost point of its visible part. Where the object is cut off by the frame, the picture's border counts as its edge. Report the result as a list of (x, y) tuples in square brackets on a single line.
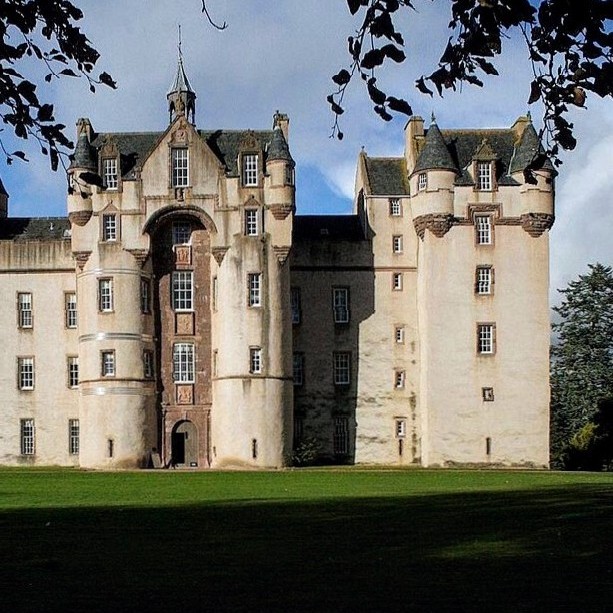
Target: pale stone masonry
[(184, 315)]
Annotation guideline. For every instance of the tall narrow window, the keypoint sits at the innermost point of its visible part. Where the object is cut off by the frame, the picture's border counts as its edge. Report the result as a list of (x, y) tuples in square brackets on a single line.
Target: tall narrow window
[(183, 290), (340, 304), (105, 295), (181, 233), (27, 436), (24, 307), (70, 309), (251, 222), (422, 181), (25, 374), (401, 428), (107, 363), (397, 281), (109, 173), (341, 436), (73, 371), (250, 169), (484, 176), (399, 377), (487, 394), (484, 280), (255, 360), (486, 338), (397, 243), (483, 226), (342, 368), (214, 284), (73, 436), (295, 304), (399, 334), (254, 282), (148, 364), (145, 296), (298, 368), (183, 363), (395, 207), (180, 167), (109, 228)]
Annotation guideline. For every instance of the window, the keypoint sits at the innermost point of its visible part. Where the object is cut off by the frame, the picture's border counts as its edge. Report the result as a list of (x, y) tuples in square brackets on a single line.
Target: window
[(73, 436), (487, 393), (399, 334), (422, 181), (484, 176), (397, 281), (395, 207), (183, 290), (73, 371), (255, 360), (215, 361), (27, 436), (214, 293), (483, 225), (342, 368), (399, 377), (109, 173), (148, 364), (111, 447), (180, 168), (401, 428), (488, 446), (181, 233), (397, 243), (298, 429), (24, 308), (295, 304), (251, 222), (340, 300), (145, 296), (250, 169), (254, 283), (485, 338), (105, 295), (70, 309), (183, 363), (484, 280), (341, 436), (289, 175), (109, 228), (107, 363), (298, 369), (25, 368)]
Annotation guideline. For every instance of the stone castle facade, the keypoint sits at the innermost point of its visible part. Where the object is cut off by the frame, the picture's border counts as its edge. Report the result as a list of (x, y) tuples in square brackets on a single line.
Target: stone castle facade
[(183, 314)]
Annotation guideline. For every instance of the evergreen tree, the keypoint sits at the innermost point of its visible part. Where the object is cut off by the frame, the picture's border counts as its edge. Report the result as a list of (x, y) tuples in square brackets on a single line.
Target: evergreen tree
[(582, 357)]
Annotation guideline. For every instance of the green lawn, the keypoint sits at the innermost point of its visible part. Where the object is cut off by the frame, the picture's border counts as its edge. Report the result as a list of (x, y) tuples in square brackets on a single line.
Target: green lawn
[(308, 540)]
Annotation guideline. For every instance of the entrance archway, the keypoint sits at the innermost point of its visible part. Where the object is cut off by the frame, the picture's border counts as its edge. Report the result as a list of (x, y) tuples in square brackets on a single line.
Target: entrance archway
[(184, 444)]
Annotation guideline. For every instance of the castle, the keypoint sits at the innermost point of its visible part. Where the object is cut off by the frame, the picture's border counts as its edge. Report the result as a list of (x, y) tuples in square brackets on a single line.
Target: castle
[(184, 315)]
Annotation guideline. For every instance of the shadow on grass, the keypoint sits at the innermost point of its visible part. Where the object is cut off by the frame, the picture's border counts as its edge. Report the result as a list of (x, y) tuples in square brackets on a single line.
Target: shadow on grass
[(544, 550)]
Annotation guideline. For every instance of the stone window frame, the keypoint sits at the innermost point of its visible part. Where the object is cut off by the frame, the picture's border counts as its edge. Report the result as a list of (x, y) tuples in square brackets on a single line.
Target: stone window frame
[(72, 371), (422, 181), (296, 305), (145, 296), (148, 364), (400, 427), (105, 295), (25, 310), (256, 360), (250, 168), (179, 167), (399, 334), (485, 176), (108, 363), (109, 227), (397, 282), (484, 283), (182, 291), (487, 394), (484, 232), (251, 221), (254, 290), (110, 172), (298, 368), (180, 231), (341, 312), (74, 436), (400, 377), (341, 368), (340, 435), (26, 373), (395, 207), (398, 244), (27, 436), (183, 363), (486, 339), (70, 312)]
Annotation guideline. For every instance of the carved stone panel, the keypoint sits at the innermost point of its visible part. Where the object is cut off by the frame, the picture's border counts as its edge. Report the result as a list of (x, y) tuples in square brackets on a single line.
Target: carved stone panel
[(184, 324), (183, 254), (185, 394)]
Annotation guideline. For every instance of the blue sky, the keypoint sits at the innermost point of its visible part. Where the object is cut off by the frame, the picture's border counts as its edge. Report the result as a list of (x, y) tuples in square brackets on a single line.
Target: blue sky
[(281, 55)]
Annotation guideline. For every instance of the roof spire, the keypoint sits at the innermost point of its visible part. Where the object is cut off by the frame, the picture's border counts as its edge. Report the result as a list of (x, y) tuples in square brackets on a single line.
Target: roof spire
[(181, 97)]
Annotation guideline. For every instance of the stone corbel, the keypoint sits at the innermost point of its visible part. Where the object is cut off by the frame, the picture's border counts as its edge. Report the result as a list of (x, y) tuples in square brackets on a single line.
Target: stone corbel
[(281, 211), (439, 224), (536, 223), (281, 253), (79, 218), (140, 255), (219, 254), (81, 258)]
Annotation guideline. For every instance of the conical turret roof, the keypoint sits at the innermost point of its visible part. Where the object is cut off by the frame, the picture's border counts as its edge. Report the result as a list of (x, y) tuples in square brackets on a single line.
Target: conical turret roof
[(278, 148), (180, 82), (84, 154), (527, 149), (435, 154)]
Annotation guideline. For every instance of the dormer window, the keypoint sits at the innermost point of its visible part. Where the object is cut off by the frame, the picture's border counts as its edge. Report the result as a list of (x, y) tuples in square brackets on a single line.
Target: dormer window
[(109, 173), (180, 167), (484, 176), (250, 169), (422, 181)]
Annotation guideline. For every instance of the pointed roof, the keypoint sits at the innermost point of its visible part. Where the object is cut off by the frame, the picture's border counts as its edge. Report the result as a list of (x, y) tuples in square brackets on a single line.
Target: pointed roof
[(83, 154), (3, 191), (485, 153), (435, 154), (527, 149), (278, 148), (181, 82)]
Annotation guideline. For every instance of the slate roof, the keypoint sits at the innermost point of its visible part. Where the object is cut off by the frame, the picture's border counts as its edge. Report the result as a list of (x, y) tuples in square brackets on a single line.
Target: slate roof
[(529, 146), (435, 154), (134, 147), (278, 149), (327, 228), (35, 228), (387, 176), (180, 82)]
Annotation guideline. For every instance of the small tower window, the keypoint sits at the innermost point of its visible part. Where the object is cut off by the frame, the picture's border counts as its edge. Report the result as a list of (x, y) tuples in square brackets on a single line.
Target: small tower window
[(395, 207), (422, 181)]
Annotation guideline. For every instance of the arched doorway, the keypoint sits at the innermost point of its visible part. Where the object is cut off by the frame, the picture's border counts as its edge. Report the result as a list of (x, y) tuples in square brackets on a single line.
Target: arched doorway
[(184, 444)]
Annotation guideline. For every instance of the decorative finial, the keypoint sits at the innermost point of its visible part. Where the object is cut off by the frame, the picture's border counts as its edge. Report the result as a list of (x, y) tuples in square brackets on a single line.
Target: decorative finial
[(179, 45), (433, 118), (529, 116)]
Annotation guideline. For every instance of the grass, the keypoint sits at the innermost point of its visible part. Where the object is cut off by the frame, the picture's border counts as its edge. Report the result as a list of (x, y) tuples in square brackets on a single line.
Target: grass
[(308, 540)]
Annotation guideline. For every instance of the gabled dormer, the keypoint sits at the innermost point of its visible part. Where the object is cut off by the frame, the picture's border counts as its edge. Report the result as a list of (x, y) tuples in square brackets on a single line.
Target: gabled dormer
[(484, 164)]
